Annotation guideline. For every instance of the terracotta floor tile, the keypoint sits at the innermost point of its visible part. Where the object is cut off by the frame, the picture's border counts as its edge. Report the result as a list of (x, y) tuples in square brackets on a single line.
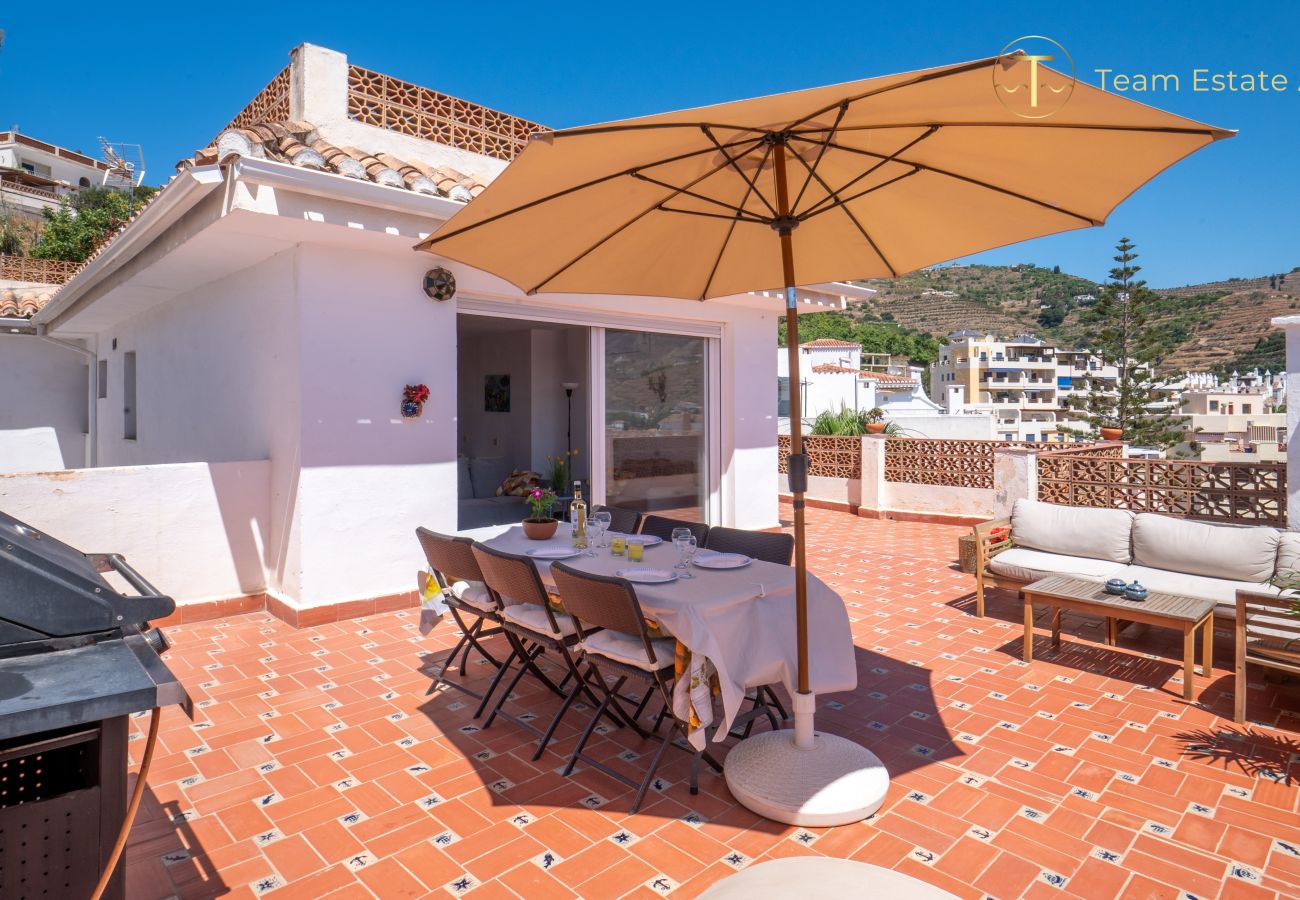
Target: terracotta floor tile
[(1095, 740)]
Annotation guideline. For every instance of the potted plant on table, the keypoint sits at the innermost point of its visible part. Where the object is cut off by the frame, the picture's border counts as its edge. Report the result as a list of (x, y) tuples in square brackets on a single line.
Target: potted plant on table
[(541, 525)]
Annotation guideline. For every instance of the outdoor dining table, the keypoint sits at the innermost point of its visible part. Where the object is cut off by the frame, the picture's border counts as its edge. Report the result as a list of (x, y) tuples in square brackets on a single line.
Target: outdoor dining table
[(740, 620)]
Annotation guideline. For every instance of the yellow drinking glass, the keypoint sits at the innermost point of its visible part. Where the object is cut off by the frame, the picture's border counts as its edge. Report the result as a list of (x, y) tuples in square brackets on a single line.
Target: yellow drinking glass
[(635, 551), (617, 545)]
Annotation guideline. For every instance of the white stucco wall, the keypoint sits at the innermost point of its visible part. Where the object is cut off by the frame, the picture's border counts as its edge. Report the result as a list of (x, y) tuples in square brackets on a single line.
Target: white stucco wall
[(196, 531), (42, 405), (496, 434)]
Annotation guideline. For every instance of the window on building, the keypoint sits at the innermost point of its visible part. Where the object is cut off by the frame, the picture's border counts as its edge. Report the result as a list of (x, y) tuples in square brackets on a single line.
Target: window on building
[(101, 379), (128, 396), (1245, 409), (1214, 406)]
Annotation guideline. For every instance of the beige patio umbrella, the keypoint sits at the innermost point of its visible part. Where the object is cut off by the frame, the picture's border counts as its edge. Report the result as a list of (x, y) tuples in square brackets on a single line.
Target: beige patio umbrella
[(867, 179)]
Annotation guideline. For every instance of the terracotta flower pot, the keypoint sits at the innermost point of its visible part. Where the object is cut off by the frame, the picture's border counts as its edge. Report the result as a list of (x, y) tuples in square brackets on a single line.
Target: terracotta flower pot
[(1111, 434), (540, 529), (875, 428)]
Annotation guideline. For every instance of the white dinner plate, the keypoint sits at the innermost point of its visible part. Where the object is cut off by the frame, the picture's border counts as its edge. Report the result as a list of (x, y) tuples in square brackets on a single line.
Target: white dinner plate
[(723, 561), (648, 576), (554, 553)]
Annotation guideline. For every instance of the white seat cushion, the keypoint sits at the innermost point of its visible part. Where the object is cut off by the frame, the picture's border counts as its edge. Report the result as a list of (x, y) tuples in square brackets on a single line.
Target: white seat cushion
[(1073, 530), (1222, 591), (1023, 564), (630, 649), (533, 617), (473, 593), (1231, 552)]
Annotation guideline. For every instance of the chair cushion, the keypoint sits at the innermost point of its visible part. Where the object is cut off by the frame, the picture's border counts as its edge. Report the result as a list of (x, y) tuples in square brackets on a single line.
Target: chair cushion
[(1231, 552), (1222, 591), (1073, 530), (533, 617), (1024, 564), (473, 593), (629, 648)]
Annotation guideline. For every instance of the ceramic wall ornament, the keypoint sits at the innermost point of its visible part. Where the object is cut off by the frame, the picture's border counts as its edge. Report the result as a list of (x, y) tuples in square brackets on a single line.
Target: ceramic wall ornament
[(413, 398), (440, 284)]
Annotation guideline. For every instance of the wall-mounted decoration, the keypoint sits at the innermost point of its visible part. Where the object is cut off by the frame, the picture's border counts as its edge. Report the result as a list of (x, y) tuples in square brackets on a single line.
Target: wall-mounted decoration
[(496, 393), (440, 284), (413, 397)]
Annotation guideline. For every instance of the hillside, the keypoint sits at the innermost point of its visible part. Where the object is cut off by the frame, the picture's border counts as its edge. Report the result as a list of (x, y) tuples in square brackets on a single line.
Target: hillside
[(1213, 325)]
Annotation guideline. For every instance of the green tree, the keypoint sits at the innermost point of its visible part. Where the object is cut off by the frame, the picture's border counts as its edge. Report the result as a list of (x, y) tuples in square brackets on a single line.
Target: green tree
[(1124, 336), (84, 219)]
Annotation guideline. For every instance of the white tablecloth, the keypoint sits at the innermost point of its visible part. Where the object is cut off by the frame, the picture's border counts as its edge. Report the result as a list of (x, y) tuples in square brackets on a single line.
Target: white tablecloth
[(719, 615)]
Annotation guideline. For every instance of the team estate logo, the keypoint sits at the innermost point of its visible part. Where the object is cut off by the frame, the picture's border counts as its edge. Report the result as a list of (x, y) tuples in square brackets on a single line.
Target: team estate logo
[(1025, 85)]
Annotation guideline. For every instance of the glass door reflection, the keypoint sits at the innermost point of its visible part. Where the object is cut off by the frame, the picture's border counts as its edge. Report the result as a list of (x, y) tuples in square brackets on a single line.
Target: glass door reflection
[(656, 423)]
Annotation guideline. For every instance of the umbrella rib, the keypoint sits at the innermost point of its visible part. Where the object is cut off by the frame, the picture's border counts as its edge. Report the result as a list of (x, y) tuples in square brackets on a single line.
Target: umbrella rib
[(734, 217), (690, 193), (439, 237), (1036, 123), (753, 184), (852, 218), (821, 151), (841, 201), (969, 180), (659, 204), (830, 200), (731, 229)]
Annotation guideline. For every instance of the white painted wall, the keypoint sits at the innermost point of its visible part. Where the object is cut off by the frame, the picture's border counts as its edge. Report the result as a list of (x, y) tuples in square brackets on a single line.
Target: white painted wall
[(496, 434), (964, 427), (42, 405), (196, 531)]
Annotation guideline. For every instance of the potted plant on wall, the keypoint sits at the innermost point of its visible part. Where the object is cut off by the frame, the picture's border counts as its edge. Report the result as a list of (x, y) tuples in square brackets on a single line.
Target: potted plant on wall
[(413, 397), (541, 525), (875, 419), (1110, 430)]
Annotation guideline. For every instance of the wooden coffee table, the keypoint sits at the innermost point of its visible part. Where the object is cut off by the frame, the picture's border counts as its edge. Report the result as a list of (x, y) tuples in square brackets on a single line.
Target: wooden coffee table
[(1063, 592)]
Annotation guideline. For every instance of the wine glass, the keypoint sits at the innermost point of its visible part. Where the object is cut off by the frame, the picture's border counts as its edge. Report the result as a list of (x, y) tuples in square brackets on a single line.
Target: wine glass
[(603, 520), (595, 528), (680, 536), (687, 548)]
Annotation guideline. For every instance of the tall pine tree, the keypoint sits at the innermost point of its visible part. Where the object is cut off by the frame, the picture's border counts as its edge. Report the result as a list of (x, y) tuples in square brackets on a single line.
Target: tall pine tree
[(1124, 336)]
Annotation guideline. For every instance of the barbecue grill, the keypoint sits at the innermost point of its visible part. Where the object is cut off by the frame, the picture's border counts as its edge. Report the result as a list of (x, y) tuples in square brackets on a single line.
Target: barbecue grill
[(77, 657)]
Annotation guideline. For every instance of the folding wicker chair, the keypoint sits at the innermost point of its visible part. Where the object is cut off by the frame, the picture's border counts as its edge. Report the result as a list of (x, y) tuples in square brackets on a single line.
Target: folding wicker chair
[(532, 626), (769, 546), (621, 519), (616, 639), (470, 603), (662, 527)]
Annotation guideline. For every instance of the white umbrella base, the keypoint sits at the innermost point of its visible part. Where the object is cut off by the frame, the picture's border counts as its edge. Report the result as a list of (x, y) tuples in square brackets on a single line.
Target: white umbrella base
[(833, 782), (813, 877)]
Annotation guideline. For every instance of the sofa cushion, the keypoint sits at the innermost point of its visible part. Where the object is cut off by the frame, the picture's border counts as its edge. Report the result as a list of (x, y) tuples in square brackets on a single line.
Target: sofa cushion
[(1024, 564), (480, 512), (1232, 552), (486, 473), (1288, 553), (1223, 591), (1073, 530)]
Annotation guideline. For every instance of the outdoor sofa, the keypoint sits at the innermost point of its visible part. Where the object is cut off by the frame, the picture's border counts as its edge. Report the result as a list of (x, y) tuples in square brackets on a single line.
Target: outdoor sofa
[(1167, 554)]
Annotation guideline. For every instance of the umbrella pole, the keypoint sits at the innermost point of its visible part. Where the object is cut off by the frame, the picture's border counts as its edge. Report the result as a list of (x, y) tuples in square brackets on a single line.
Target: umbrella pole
[(797, 464), (814, 779)]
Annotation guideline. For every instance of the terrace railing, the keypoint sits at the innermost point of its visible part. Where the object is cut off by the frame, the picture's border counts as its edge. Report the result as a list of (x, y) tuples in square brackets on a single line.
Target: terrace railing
[(829, 456), (962, 463), (37, 271), (1240, 492)]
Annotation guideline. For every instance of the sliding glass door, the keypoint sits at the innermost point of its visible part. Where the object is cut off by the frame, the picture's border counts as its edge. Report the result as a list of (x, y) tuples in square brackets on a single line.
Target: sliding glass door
[(656, 393)]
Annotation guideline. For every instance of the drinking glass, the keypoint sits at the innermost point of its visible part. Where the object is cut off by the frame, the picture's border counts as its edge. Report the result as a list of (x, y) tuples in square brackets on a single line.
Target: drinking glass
[(680, 537), (617, 545), (635, 551), (604, 520), (687, 548), (593, 536)]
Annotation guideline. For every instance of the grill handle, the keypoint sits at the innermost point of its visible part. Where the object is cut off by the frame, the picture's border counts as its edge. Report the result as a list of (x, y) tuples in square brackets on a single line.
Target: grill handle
[(156, 605)]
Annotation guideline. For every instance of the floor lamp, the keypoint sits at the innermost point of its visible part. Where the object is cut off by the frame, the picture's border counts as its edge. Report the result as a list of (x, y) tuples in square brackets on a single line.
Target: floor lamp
[(569, 387)]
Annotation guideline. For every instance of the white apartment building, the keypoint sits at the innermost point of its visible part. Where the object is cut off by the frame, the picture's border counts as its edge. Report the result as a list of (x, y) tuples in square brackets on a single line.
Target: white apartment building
[(35, 174), (1238, 419), (1013, 380)]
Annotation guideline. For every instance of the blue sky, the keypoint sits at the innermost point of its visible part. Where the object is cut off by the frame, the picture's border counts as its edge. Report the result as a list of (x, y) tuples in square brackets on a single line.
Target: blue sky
[(167, 76)]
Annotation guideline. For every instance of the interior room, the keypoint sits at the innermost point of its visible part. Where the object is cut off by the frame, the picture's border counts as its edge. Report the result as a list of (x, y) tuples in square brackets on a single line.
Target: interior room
[(523, 395)]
